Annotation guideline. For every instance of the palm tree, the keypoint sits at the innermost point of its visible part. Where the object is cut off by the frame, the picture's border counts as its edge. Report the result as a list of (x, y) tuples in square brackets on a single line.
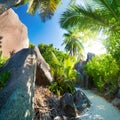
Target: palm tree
[(94, 15), (46, 8), (73, 42), (97, 15)]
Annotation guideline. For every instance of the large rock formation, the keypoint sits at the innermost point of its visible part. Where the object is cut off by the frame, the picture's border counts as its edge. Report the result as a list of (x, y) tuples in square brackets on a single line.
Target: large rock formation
[(43, 74), (6, 4), (85, 80), (16, 99), (13, 34), (67, 107)]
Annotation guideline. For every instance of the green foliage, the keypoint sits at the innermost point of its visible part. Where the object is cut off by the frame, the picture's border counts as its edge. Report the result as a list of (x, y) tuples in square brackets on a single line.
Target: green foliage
[(46, 8), (73, 42), (104, 71), (32, 46), (62, 68), (113, 47), (3, 79), (96, 15), (2, 60), (62, 87), (4, 76)]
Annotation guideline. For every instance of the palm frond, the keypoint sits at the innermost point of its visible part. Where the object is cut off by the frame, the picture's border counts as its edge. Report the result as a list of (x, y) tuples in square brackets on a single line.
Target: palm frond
[(46, 8), (108, 4), (33, 6), (80, 16)]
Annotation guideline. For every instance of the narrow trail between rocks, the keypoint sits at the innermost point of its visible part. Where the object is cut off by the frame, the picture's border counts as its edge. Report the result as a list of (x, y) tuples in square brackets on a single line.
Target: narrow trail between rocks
[(100, 109)]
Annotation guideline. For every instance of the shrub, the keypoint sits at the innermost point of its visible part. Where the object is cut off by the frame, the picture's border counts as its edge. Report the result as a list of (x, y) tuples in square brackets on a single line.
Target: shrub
[(3, 78), (104, 71), (2, 60), (62, 87), (5, 75), (32, 46), (62, 67)]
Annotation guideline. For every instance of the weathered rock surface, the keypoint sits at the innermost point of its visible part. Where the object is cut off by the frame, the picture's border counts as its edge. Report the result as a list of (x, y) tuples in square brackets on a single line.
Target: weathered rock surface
[(118, 91), (116, 102), (43, 74), (6, 4), (13, 34), (85, 80), (89, 56), (51, 107), (81, 101), (67, 105), (16, 99)]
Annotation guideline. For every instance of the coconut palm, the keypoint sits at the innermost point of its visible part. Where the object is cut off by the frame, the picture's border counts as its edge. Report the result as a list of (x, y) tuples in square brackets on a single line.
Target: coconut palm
[(46, 8), (93, 15), (73, 42)]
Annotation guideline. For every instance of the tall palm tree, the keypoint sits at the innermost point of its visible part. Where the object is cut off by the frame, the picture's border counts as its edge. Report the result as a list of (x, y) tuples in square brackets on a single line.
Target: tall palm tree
[(94, 15), (73, 42), (46, 8)]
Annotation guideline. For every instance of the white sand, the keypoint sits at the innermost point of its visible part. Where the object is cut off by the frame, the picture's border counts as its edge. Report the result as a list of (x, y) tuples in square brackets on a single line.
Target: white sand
[(100, 109)]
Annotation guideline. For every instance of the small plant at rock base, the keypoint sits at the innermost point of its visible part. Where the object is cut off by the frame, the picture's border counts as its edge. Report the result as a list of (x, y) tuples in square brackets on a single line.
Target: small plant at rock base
[(3, 78), (32, 46), (61, 87), (2, 59)]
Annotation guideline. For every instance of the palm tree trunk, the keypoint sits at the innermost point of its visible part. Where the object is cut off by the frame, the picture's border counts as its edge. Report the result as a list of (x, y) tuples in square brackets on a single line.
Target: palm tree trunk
[(5, 5)]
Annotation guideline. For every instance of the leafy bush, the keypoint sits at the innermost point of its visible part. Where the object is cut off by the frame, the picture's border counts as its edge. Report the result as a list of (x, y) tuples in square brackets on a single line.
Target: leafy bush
[(62, 87), (113, 47), (3, 79), (104, 71), (62, 66), (4, 76), (2, 60), (32, 46)]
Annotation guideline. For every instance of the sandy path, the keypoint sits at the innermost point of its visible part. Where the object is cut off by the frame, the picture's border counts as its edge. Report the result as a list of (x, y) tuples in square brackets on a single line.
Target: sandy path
[(100, 109)]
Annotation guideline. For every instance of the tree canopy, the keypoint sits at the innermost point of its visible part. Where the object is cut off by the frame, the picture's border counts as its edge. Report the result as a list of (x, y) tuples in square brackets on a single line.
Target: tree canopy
[(45, 8), (96, 16)]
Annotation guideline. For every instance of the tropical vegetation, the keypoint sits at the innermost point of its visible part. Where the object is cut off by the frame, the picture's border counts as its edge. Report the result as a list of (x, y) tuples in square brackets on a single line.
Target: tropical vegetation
[(62, 68), (45, 8), (96, 16), (104, 71), (5, 75), (73, 42), (3, 79), (82, 22), (3, 59)]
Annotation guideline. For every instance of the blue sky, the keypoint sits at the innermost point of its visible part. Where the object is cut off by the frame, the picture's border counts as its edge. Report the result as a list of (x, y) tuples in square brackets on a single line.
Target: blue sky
[(39, 32), (50, 31)]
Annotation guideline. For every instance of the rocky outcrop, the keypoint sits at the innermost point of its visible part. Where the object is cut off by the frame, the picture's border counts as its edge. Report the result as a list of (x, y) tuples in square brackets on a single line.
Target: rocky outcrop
[(6, 4), (13, 34), (116, 102), (73, 105), (67, 107), (118, 91), (43, 74), (81, 101), (16, 99), (85, 80), (89, 56)]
